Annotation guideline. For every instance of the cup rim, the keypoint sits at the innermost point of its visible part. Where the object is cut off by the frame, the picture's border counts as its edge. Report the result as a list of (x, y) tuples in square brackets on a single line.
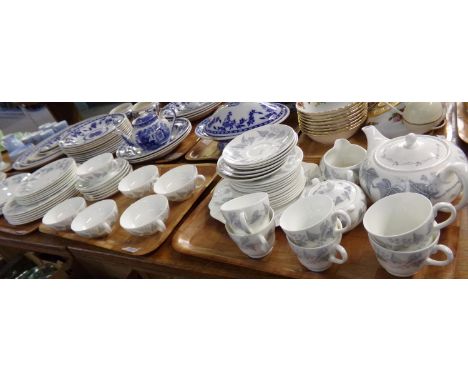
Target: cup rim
[(394, 196), (103, 220), (337, 240), (137, 173), (66, 203), (80, 169), (261, 196), (267, 226), (174, 172), (330, 151), (433, 243), (132, 206)]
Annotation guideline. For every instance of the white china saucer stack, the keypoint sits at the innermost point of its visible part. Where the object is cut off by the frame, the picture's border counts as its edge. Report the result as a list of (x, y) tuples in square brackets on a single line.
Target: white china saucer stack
[(94, 136), (41, 191), (265, 159), (193, 111), (181, 130), (107, 185)]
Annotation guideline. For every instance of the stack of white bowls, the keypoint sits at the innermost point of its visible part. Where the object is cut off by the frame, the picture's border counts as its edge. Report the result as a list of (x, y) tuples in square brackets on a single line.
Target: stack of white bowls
[(192, 110), (99, 177), (265, 159), (94, 136), (43, 190)]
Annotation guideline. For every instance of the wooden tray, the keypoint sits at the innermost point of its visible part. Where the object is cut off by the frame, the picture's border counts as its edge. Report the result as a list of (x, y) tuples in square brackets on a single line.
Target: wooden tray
[(181, 150), (202, 236), (19, 230), (204, 150), (121, 241)]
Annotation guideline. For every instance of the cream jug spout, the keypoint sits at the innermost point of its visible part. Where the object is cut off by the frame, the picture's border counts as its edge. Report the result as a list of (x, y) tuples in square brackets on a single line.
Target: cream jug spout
[(374, 138)]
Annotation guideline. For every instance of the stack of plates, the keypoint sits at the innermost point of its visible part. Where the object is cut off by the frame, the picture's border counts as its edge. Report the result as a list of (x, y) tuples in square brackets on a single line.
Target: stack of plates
[(180, 131), (233, 119), (9, 186), (44, 152), (265, 159), (41, 191), (108, 185), (94, 136), (326, 121), (192, 110)]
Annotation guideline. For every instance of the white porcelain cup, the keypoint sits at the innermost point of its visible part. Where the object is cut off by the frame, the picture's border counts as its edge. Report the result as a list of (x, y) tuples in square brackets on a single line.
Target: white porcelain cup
[(259, 244), (407, 263), (405, 220), (139, 182), (141, 108), (124, 108), (96, 220), (146, 216), (343, 161), (96, 168), (312, 221), (179, 183), (319, 259), (61, 216), (248, 213)]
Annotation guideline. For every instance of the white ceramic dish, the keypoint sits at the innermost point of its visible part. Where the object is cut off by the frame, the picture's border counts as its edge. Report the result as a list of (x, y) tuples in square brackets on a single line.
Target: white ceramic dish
[(96, 220), (61, 216), (95, 168), (179, 183), (146, 216), (139, 182)]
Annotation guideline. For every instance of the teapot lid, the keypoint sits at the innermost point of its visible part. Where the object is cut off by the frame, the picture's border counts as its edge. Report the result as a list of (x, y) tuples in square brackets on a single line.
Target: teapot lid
[(342, 192), (412, 152)]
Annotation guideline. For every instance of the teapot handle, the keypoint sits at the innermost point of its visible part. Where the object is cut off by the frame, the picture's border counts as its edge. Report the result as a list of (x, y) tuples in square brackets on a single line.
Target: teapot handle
[(461, 170), (174, 117)]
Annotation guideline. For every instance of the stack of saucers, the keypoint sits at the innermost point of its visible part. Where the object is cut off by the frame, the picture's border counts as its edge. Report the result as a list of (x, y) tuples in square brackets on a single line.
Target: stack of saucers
[(265, 159), (99, 177), (95, 136), (326, 121), (192, 110), (182, 128), (43, 190), (9, 186)]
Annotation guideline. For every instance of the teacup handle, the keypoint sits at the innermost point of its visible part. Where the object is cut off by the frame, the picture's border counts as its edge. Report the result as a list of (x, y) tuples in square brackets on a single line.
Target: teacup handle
[(161, 226), (199, 181), (444, 206), (107, 228), (461, 170), (244, 224), (350, 176), (347, 220), (440, 263), (263, 242), (344, 255)]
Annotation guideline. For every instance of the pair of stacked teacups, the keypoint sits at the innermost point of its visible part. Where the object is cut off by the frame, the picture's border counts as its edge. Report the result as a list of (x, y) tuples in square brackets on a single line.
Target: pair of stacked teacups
[(250, 223), (404, 233), (314, 228)]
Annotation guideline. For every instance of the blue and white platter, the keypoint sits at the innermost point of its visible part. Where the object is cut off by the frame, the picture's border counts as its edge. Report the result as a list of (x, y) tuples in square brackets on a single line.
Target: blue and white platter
[(181, 130), (238, 117)]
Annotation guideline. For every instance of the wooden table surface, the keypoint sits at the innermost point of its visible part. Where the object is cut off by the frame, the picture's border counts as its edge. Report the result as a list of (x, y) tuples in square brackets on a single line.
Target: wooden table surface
[(165, 261)]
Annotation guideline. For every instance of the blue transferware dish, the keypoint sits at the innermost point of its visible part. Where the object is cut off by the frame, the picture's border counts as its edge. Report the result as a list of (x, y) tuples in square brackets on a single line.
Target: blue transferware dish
[(238, 117), (150, 131)]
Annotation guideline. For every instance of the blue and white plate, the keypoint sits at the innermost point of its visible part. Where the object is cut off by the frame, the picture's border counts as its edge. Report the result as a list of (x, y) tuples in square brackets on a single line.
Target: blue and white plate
[(182, 128), (91, 130), (239, 117)]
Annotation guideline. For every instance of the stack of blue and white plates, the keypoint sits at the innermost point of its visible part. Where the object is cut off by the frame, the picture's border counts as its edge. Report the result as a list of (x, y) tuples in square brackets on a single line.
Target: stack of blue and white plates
[(94, 136), (236, 118), (193, 111)]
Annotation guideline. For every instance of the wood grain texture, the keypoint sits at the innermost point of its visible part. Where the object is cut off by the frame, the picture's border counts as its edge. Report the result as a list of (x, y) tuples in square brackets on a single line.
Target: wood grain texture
[(204, 150), (121, 241), (202, 236), (19, 230)]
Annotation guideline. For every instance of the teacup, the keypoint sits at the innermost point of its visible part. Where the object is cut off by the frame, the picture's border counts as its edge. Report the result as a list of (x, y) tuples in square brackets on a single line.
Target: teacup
[(425, 127), (139, 182), (312, 221), (407, 263), (258, 244), (96, 168), (321, 258), (61, 216), (405, 220), (343, 161), (248, 213), (179, 183), (124, 108), (96, 220), (146, 216), (141, 108), (12, 143), (423, 112)]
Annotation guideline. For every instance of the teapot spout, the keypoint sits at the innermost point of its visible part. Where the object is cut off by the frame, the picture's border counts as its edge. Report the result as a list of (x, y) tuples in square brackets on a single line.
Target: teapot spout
[(374, 137)]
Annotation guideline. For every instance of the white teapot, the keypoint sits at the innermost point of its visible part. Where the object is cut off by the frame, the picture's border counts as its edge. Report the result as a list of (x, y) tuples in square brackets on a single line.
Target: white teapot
[(424, 164)]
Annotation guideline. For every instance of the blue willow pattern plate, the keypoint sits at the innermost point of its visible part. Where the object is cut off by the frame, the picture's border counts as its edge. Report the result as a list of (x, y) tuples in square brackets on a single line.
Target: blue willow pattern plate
[(91, 129), (238, 117)]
